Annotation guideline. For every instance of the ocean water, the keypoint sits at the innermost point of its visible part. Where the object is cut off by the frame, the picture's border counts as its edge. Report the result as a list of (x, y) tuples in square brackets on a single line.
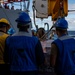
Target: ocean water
[(72, 33)]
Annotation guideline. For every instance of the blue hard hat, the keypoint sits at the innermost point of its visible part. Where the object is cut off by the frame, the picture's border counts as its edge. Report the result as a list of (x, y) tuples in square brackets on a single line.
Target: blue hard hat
[(11, 31), (61, 23), (23, 18)]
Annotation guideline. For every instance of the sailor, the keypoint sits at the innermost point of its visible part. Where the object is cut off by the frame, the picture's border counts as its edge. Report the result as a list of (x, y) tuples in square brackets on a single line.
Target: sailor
[(33, 32), (11, 31), (4, 26), (62, 57), (40, 32), (53, 35), (24, 51)]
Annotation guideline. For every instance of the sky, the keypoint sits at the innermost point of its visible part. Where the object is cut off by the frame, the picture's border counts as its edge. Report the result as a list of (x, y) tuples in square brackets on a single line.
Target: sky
[(71, 15), (70, 18)]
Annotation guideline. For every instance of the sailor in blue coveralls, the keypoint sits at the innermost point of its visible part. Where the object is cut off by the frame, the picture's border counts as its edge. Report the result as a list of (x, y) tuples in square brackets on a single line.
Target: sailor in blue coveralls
[(23, 51), (62, 57)]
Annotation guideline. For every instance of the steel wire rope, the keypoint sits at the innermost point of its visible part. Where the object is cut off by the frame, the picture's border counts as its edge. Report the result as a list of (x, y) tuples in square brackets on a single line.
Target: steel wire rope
[(7, 16)]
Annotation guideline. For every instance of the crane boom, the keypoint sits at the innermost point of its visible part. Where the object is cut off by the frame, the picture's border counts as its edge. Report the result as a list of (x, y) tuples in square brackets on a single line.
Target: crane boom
[(53, 8)]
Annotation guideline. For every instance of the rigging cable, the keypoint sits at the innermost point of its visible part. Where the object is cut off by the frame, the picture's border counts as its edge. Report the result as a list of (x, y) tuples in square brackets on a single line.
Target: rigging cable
[(7, 17)]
